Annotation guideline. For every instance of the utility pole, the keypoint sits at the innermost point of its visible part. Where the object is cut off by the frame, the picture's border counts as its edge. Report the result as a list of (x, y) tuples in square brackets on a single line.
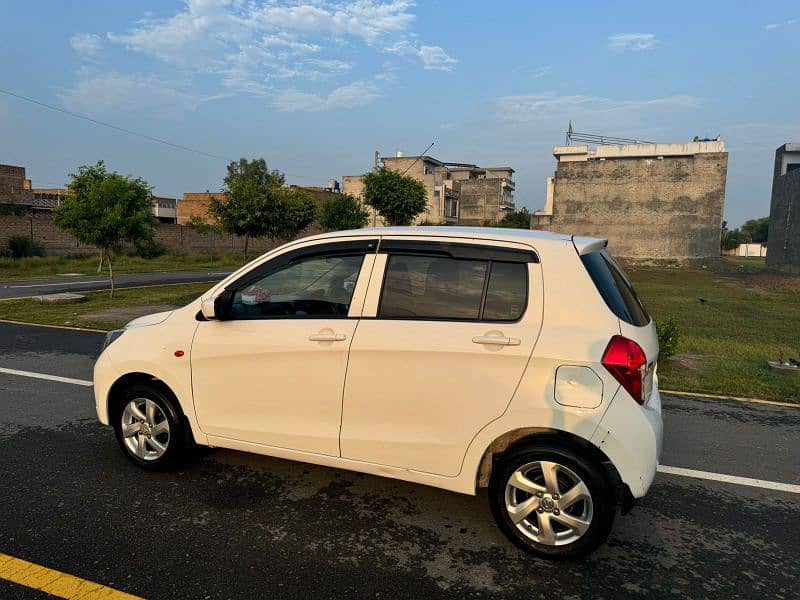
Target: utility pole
[(416, 159)]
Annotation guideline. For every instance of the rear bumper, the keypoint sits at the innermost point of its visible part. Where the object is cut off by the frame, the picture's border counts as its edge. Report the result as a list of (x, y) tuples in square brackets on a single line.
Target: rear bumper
[(631, 437)]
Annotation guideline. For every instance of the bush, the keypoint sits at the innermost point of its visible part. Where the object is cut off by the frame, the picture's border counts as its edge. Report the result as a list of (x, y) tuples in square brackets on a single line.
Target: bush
[(148, 248), (668, 335), (21, 246), (343, 212)]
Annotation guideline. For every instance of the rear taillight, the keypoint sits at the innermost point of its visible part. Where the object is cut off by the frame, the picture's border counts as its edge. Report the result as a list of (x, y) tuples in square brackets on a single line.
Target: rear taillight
[(626, 361)]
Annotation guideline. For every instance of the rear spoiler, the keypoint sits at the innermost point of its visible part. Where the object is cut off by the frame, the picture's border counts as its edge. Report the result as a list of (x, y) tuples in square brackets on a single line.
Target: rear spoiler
[(584, 245)]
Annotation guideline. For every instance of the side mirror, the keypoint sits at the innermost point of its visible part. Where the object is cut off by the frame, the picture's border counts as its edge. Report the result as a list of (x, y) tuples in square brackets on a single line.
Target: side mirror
[(217, 307), (207, 308)]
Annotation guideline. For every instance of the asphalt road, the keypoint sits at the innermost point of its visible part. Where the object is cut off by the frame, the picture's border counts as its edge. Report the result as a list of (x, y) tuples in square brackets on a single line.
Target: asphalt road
[(85, 283), (233, 525)]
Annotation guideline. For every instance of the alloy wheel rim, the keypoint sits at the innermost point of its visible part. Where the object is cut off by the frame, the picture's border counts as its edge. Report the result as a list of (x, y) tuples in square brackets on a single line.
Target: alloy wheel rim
[(145, 429), (549, 503)]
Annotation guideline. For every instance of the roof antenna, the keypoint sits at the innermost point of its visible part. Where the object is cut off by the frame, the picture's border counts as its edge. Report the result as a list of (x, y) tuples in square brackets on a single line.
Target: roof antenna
[(416, 159)]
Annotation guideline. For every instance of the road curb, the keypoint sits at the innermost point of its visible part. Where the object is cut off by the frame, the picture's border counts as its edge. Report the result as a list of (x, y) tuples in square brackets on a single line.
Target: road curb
[(11, 322), (731, 398)]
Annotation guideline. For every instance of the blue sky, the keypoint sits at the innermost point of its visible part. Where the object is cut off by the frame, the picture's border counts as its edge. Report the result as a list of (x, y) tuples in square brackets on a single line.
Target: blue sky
[(316, 87)]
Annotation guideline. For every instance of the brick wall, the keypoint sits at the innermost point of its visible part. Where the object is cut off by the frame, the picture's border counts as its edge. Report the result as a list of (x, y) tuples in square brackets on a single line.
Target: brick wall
[(196, 204), (783, 245), (13, 187), (176, 238), (668, 208)]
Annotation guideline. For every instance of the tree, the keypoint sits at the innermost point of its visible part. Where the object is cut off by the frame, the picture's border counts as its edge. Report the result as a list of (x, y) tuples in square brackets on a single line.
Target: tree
[(397, 197), (200, 225), (519, 219), (343, 212), (257, 205), (731, 238), (757, 229), (105, 209)]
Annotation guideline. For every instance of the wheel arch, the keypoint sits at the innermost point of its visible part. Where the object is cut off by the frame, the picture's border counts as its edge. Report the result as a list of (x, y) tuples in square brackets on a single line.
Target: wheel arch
[(511, 440), (115, 397)]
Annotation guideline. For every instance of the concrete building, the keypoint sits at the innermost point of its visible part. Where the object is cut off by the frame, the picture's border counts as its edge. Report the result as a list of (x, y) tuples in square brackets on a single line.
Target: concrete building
[(456, 193), (46, 199), (651, 201), (164, 209), (484, 194), (783, 243)]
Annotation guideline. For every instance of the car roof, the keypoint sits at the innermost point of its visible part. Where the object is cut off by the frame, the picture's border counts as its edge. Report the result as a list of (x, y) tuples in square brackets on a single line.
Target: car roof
[(583, 244)]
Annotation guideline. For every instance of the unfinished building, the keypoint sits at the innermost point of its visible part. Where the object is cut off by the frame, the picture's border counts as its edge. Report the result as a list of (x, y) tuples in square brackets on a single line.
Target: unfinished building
[(783, 242), (651, 201)]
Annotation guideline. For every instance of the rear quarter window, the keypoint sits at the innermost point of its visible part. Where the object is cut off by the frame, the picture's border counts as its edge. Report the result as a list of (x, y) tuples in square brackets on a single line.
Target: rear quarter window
[(615, 288)]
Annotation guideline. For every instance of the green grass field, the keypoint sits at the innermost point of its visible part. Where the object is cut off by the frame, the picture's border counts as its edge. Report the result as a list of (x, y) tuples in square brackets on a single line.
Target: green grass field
[(101, 312), (48, 266), (730, 325)]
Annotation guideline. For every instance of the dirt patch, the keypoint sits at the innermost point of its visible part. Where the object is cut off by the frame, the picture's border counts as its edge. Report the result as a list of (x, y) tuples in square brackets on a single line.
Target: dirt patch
[(128, 313), (690, 362)]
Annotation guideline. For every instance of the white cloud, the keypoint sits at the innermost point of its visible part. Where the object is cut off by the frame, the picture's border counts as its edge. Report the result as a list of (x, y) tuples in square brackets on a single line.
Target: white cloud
[(548, 106), (267, 47), (434, 58), (113, 93), (87, 45), (352, 95), (632, 41), (249, 42), (773, 26)]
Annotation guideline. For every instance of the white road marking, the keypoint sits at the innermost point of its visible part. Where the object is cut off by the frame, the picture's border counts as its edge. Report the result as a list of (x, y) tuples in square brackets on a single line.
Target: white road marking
[(759, 483), (58, 378), (59, 283)]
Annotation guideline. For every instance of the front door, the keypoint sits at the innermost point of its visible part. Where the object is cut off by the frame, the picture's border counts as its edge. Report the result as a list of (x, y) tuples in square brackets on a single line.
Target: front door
[(272, 372), (441, 358)]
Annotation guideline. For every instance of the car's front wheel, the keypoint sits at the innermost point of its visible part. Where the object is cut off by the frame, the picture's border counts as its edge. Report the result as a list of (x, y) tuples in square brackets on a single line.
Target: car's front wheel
[(552, 501), (149, 428)]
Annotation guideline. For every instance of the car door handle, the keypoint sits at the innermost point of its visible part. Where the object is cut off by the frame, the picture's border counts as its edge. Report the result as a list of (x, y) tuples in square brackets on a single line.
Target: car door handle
[(496, 340), (327, 336)]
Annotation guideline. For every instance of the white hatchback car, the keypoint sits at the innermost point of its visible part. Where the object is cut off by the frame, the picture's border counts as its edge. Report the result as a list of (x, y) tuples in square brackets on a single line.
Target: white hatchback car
[(453, 357)]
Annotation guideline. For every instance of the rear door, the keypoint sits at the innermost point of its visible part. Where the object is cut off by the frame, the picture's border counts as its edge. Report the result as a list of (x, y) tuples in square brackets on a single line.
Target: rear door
[(446, 333)]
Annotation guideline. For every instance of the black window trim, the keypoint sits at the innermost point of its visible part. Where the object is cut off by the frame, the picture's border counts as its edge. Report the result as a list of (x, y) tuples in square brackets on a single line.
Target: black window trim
[(416, 251), (458, 250), (340, 248)]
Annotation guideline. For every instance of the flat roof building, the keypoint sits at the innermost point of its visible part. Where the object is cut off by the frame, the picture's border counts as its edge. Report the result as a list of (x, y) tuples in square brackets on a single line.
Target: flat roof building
[(651, 201)]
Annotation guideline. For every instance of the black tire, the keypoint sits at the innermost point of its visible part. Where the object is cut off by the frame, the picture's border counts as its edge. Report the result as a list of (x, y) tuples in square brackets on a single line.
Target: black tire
[(179, 443), (593, 475)]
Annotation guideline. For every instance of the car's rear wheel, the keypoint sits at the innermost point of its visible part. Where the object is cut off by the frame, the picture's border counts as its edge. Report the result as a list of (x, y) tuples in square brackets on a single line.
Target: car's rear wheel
[(149, 428), (552, 501)]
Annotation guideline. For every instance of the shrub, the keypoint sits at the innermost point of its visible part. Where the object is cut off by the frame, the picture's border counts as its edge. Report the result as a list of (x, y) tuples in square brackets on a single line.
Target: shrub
[(21, 246), (668, 335), (148, 248), (343, 212)]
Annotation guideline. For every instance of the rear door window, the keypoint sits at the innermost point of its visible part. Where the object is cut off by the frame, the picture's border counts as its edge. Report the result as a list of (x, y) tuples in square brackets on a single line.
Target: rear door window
[(432, 287), (507, 293), (615, 288), (452, 289)]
